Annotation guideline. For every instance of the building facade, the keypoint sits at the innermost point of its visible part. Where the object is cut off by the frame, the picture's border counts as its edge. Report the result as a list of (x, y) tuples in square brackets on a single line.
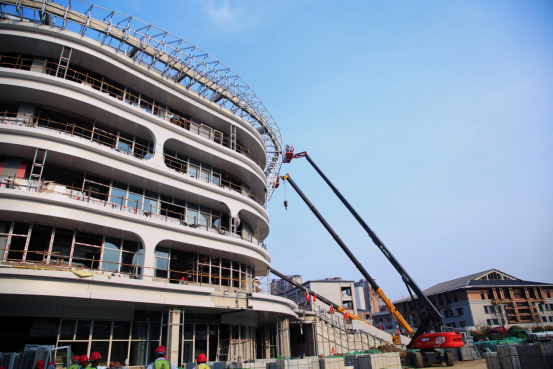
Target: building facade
[(135, 174), (489, 298), (279, 286)]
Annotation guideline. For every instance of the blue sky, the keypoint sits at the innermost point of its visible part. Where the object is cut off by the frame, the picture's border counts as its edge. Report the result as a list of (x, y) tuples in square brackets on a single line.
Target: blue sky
[(434, 118)]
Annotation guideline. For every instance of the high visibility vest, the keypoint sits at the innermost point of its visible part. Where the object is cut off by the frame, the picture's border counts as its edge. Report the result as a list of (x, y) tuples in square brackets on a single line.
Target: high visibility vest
[(161, 364), (203, 366), (74, 366)]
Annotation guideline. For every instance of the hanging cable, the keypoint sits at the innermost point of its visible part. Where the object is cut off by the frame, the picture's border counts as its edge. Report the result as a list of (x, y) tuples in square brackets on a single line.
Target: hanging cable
[(285, 194)]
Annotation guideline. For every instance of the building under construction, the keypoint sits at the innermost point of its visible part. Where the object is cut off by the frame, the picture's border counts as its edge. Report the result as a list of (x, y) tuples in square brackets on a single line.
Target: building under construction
[(135, 174)]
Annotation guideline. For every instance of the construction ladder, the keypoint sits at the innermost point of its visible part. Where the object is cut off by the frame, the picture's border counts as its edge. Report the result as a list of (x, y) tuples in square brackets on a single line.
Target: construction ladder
[(64, 61), (38, 164), (232, 137)]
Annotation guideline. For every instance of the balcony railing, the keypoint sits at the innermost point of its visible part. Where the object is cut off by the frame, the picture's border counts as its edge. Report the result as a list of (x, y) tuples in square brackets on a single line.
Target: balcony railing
[(99, 136), (183, 168), (122, 203), (122, 94), (118, 143)]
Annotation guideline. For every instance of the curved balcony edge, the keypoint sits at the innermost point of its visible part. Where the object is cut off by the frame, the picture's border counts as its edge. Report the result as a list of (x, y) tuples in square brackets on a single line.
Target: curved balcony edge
[(133, 111), (163, 170), (169, 86), (13, 201)]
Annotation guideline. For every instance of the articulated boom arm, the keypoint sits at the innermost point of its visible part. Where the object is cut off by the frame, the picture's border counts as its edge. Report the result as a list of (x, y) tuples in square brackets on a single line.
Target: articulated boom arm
[(433, 314), (391, 308)]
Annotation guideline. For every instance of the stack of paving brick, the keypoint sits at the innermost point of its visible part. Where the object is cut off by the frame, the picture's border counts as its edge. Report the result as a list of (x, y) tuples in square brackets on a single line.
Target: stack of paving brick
[(332, 363), (535, 356), (508, 356), (388, 360), (465, 353), (492, 360)]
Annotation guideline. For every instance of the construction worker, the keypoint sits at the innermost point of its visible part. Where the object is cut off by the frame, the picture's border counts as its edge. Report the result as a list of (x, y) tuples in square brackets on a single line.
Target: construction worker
[(75, 361), (95, 359), (51, 365), (39, 364), (83, 362), (202, 359), (161, 362)]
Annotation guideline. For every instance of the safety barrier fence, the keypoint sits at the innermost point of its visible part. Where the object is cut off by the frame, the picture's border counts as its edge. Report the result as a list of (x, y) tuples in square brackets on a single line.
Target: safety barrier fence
[(128, 205), (123, 94), (120, 144)]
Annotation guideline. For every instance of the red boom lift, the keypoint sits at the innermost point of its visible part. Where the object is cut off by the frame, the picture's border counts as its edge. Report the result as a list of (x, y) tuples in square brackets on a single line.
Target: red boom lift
[(427, 340)]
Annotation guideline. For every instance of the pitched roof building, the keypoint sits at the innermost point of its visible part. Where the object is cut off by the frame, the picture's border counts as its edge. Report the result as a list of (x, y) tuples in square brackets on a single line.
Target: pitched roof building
[(467, 302)]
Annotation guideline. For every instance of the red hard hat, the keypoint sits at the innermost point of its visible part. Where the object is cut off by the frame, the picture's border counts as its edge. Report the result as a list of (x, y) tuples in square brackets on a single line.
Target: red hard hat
[(76, 358), (83, 359), (95, 356), (161, 350), (202, 358), (2, 367), (39, 364), (51, 363)]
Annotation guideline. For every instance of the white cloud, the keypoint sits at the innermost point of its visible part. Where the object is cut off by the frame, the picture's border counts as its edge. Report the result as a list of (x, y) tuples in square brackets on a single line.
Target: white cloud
[(225, 17)]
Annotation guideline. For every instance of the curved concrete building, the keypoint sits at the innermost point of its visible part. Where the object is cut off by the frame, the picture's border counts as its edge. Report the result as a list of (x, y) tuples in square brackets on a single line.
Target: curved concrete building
[(135, 175)]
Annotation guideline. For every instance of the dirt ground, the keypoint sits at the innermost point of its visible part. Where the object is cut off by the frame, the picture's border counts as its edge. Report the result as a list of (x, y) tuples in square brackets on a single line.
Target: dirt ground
[(475, 364)]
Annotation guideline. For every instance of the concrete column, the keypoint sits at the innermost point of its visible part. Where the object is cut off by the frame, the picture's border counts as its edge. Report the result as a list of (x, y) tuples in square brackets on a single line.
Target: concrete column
[(174, 326), (149, 241), (26, 111), (284, 337)]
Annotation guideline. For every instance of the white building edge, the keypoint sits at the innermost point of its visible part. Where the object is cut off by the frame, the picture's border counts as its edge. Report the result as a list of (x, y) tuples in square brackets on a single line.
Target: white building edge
[(132, 154)]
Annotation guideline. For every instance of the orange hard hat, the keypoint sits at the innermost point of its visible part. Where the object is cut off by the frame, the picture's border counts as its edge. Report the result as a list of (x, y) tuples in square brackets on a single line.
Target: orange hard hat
[(202, 358), (95, 356), (83, 359), (39, 364), (161, 350), (76, 358)]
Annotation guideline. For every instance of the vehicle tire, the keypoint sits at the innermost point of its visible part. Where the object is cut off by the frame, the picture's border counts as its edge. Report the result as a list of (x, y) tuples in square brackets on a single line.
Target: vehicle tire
[(418, 362), (449, 360), (410, 358)]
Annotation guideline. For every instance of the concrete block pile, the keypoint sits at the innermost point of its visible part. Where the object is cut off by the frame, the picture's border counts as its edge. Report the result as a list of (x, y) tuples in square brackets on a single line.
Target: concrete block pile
[(508, 357), (388, 360), (332, 363), (492, 360)]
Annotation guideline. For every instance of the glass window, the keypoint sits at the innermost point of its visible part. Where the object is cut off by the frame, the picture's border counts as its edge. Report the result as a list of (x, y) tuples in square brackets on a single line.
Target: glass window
[(21, 228), (162, 252), (138, 353), (89, 239), (102, 330), (205, 219), (130, 246), (17, 245), (110, 260), (121, 330), (39, 242), (67, 330), (86, 256), (112, 243), (139, 330), (192, 215), (5, 226), (188, 331), (155, 331), (119, 185), (61, 249), (118, 196), (119, 351), (83, 330), (135, 201), (161, 267)]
